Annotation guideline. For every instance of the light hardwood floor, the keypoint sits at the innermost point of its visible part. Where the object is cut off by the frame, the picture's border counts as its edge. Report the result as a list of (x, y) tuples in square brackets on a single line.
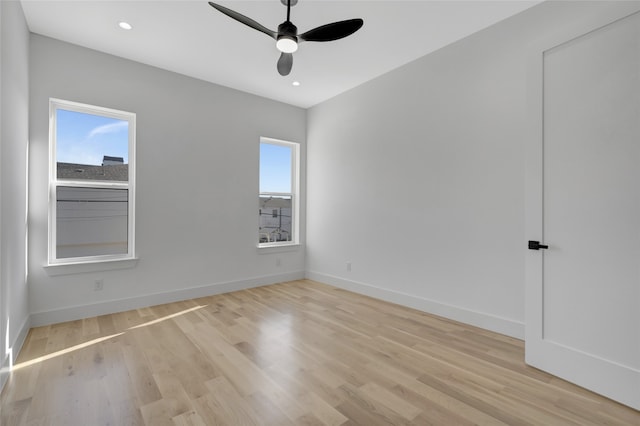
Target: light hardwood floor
[(297, 353)]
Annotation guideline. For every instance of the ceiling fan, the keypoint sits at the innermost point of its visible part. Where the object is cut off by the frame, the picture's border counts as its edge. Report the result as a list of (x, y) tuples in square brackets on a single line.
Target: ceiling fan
[(287, 37)]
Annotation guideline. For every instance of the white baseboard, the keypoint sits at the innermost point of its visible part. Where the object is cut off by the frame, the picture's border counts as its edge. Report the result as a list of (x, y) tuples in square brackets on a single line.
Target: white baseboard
[(479, 319), (5, 368), (112, 306), (14, 350), (487, 321), (20, 338)]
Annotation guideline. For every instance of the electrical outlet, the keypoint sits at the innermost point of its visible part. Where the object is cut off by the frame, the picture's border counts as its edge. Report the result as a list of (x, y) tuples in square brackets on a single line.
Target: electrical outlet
[(278, 262), (348, 266), (98, 284)]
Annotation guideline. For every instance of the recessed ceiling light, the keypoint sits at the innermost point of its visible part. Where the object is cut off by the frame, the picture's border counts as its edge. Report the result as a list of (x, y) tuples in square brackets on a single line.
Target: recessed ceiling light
[(125, 25), (296, 83)]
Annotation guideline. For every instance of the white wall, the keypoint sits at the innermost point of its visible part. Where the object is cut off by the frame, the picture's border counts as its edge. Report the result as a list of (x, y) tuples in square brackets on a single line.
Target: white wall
[(197, 183), (417, 177), (14, 128)]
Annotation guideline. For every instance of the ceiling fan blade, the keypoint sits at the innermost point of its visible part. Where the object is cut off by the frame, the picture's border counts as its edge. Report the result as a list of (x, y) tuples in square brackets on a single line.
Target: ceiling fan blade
[(243, 19), (333, 31), (285, 63)]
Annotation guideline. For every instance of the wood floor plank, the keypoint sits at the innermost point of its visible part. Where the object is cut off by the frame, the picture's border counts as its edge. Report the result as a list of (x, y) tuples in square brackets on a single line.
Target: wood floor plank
[(295, 353), (190, 418), (321, 408), (431, 412), (157, 412), (378, 413), (207, 409), (390, 400), (146, 388), (177, 400), (232, 406), (270, 413)]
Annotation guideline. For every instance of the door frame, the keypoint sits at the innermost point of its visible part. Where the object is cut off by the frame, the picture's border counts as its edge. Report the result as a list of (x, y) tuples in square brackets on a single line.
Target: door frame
[(619, 382)]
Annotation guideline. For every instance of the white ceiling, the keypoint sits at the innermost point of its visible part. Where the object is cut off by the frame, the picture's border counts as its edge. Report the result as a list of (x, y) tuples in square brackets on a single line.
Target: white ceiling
[(191, 38)]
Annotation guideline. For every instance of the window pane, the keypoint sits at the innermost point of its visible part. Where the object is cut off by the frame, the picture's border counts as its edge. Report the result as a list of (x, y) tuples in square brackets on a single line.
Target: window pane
[(91, 147), (91, 221), (275, 168), (275, 219)]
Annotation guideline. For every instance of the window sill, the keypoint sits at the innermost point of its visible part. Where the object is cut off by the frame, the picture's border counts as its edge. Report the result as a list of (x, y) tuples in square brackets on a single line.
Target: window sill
[(278, 248), (56, 269)]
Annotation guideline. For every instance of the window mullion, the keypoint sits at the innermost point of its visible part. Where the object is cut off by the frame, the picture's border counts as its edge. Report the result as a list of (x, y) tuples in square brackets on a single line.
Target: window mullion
[(92, 184)]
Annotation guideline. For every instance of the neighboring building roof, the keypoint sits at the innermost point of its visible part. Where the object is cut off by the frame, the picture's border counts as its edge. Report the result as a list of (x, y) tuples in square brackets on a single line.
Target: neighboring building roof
[(116, 172)]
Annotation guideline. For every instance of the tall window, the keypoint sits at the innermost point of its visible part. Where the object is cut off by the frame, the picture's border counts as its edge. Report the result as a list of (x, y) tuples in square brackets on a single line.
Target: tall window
[(91, 183), (278, 199)]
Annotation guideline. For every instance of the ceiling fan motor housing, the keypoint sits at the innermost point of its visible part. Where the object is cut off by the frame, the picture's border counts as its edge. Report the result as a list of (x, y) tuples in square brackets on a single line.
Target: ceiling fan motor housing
[(287, 29)]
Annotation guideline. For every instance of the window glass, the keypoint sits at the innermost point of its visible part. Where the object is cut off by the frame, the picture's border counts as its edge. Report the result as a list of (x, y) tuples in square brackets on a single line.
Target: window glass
[(275, 168), (91, 147), (91, 221), (275, 218)]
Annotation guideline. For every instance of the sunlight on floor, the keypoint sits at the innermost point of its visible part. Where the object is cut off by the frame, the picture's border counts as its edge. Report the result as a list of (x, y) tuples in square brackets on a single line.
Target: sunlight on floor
[(100, 339)]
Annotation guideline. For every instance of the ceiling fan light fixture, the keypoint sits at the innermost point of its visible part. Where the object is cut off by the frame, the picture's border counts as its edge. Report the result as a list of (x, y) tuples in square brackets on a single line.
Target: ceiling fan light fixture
[(287, 44), (287, 35)]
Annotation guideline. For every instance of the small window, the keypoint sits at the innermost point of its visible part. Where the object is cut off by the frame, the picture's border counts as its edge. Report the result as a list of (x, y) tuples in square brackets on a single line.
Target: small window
[(91, 183), (278, 198)]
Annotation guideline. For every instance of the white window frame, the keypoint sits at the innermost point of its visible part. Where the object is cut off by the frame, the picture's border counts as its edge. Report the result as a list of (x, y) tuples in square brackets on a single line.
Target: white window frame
[(294, 194), (54, 183)]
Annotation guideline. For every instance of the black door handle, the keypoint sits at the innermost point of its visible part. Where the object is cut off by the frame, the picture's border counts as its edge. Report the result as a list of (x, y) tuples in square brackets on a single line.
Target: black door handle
[(535, 245)]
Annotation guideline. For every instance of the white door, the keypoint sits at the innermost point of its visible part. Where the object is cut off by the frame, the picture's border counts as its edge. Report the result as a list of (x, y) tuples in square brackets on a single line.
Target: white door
[(583, 190)]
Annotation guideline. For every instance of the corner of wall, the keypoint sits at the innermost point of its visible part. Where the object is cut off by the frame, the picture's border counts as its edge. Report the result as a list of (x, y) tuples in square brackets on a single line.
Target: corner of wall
[(12, 352), (14, 118), (72, 313), (483, 320)]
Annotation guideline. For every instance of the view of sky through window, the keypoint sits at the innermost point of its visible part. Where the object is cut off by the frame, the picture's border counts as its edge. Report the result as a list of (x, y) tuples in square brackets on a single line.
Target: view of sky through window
[(83, 138), (275, 168)]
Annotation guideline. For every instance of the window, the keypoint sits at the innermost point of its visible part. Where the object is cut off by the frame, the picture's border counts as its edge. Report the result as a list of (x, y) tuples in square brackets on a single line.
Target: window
[(91, 183), (278, 198)]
